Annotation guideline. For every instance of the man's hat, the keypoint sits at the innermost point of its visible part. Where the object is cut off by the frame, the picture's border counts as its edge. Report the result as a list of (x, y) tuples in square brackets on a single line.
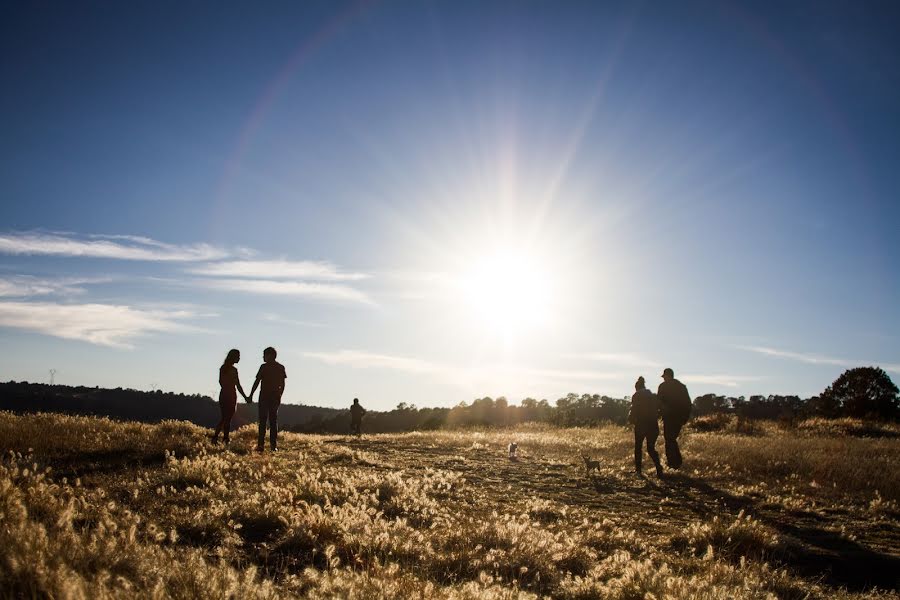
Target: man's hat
[(669, 372)]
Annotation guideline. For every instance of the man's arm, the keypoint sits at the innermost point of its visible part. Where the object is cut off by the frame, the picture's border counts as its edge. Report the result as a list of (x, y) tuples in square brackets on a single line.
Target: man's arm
[(283, 382)]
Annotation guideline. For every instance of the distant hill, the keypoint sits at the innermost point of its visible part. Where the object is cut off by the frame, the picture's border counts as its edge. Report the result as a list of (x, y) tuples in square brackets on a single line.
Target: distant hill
[(156, 406), (147, 407)]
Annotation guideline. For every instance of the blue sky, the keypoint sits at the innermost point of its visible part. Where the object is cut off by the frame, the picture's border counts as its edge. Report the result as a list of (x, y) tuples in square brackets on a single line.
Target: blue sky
[(428, 202)]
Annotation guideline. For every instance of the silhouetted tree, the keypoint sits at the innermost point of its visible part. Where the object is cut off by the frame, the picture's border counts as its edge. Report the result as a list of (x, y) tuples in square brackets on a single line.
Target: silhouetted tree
[(863, 392)]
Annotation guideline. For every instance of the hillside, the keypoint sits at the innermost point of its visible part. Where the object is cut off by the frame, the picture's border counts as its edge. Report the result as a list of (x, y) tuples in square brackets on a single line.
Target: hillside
[(144, 406), (91, 508)]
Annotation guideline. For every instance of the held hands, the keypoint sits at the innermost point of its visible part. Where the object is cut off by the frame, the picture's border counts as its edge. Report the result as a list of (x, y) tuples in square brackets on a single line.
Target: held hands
[(249, 398)]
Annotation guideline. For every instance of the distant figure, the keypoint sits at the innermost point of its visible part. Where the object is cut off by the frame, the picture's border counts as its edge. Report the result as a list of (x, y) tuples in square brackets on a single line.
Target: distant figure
[(228, 379), (271, 375), (356, 415), (675, 408), (513, 451), (644, 415)]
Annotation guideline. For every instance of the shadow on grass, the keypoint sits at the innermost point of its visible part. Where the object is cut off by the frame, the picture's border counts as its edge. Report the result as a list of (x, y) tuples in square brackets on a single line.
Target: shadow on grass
[(105, 462), (822, 554)]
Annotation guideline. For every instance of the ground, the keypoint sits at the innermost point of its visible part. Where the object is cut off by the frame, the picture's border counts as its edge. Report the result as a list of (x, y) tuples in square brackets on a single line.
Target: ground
[(137, 510)]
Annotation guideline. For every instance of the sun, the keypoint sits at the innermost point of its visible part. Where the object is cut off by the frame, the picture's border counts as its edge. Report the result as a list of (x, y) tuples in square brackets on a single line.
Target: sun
[(508, 291)]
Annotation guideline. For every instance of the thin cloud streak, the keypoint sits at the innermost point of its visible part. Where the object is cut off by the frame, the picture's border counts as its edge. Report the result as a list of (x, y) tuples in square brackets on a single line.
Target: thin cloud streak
[(273, 318), (320, 291), (817, 359), (118, 247), (26, 286), (731, 381), (523, 379), (369, 360), (278, 269), (619, 358), (102, 324)]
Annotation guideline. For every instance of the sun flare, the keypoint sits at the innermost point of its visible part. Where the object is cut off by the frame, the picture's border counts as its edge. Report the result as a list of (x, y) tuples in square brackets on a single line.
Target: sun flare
[(508, 291)]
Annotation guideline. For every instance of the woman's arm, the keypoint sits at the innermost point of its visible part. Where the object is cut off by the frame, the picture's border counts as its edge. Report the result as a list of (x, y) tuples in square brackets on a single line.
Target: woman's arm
[(237, 382)]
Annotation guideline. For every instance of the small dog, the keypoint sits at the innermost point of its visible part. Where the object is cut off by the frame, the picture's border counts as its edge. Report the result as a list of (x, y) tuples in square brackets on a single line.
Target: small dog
[(513, 448), (590, 464)]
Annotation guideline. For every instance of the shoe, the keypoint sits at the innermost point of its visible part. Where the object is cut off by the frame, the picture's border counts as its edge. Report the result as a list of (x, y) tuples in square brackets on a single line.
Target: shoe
[(260, 449), (659, 472), (214, 440)]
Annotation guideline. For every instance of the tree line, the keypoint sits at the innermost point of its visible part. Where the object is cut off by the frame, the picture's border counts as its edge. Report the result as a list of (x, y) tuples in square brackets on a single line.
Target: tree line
[(865, 392)]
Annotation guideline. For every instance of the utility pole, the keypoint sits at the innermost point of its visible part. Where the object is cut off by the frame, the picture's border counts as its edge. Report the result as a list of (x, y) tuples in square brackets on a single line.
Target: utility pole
[(52, 376)]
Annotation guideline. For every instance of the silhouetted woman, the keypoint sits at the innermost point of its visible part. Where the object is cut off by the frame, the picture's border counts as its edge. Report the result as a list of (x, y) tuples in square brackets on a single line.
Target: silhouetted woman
[(231, 385)]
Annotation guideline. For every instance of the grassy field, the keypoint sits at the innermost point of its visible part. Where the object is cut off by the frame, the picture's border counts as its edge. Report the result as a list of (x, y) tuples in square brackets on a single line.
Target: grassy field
[(91, 508)]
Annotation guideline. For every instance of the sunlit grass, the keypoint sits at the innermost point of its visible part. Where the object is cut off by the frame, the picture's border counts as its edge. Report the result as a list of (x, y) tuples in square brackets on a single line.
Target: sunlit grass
[(438, 514)]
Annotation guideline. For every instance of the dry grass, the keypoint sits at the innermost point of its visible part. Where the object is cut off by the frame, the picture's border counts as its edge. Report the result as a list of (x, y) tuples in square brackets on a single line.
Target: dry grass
[(95, 509)]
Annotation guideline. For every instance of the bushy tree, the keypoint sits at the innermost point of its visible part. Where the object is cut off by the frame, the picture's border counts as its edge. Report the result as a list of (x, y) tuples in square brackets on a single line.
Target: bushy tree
[(864, 392)]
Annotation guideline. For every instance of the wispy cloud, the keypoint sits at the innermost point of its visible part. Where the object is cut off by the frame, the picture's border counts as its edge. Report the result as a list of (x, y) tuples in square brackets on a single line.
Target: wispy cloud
[(511, 379), (627, 359), (484, 374), (24, 286), (320, 291), (119, 247), (818, 359), (277, 269), (273, 318), (369, 360), (731, 381), (102, 324)]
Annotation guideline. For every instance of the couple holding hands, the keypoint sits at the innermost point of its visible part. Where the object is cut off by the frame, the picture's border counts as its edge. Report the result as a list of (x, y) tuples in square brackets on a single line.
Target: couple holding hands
[(270, 378)]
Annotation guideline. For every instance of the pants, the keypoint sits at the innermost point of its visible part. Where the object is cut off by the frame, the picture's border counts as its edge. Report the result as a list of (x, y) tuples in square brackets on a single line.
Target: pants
[(227, 406), (268, 411), (356, 427), (648, 431), (671, 430)]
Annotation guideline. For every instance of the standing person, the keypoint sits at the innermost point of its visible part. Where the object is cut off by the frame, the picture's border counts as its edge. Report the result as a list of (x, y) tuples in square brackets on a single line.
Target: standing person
[(356, 415), (271, 375), (228, 380), (644, 415), (675, 408)]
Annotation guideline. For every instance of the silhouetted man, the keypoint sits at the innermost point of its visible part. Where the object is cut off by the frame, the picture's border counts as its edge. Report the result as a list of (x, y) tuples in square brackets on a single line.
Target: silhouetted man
[(644, 415), (675, 408), (356, 415), (271, 375)]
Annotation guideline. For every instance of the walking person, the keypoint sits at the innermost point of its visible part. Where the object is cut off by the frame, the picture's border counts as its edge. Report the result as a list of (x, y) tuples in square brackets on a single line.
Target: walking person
[(231, 385), (271, 376), (356, 415), (644, 415), (675, 408)]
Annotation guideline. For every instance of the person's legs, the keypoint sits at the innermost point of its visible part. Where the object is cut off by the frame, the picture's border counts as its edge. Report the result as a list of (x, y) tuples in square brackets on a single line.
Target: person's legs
[(263, 415), (223, 411), (671, 429), (652, 435), (638, 451), (221, 423), (227, 415), (273, 423)]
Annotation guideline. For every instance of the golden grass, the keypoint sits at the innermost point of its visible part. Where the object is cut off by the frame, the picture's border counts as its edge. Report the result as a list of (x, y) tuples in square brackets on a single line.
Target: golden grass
[(91, 508)]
